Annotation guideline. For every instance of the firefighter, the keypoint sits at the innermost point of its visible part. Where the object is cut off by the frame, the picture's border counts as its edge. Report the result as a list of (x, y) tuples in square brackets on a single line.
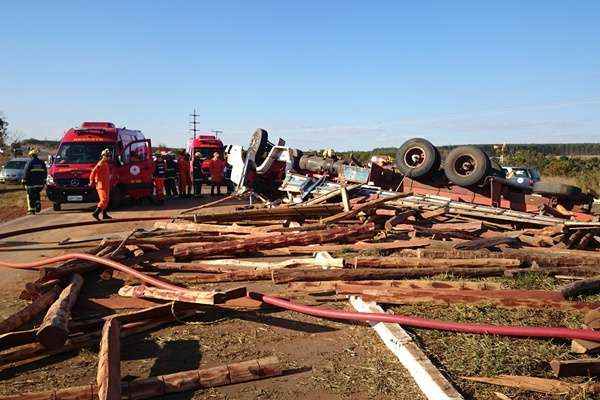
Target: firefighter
[(159, 177), (100, 178), (185, 181), (197, 172), (217, 169), (34, 178), (170, 175)]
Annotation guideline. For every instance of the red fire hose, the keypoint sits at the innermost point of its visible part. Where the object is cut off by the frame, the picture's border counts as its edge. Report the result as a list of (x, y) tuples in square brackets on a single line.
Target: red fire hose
[(516, 331)]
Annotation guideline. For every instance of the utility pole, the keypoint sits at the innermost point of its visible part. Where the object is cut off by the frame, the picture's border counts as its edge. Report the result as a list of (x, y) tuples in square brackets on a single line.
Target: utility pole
[(216, 132), (194, 123)]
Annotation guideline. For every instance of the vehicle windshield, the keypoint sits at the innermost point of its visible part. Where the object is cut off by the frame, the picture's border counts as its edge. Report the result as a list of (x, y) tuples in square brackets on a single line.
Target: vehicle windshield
[(15, 165), (80, 152), (206, 152)]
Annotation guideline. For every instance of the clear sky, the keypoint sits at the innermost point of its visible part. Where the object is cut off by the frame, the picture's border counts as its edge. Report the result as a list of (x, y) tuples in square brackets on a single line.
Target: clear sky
[(345, 74)]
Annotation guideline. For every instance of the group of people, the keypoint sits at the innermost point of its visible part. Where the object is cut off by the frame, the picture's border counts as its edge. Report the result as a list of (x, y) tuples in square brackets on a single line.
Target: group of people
[(181, 176)]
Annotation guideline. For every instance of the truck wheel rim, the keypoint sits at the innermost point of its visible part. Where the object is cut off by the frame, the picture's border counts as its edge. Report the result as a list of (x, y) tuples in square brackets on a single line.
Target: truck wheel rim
[(465, 165), (414, 157)]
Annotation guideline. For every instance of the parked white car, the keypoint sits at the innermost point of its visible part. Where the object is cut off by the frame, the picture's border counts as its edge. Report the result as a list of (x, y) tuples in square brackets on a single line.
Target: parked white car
[(13, 170)]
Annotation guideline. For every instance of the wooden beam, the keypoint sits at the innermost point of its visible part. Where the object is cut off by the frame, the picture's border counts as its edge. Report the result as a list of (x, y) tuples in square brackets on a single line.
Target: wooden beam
[(29, 312), (109, 362), (413, 262), (189, 296), (163, 385), (577, 288), (54, 330), (358, 246), (429, 379), (581, 367), (363, 207), (540, 385), (331, 286)]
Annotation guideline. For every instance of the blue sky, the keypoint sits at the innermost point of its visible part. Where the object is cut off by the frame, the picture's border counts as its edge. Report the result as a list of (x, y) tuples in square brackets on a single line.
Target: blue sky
[(347, 74)]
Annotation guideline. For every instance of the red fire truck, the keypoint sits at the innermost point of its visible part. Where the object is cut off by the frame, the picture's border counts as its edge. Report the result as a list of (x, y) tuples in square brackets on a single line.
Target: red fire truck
[(131, 164), (206, 144)]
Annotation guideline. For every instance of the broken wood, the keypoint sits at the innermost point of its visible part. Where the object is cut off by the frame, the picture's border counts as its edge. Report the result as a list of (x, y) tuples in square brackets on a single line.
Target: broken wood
[(297, 212), (485, 243), (29, 312), (412, 262), (581, 367), (359, 246), (331, 286), (204, 228), (499, 298), (108, 377), (228, 276), (226, 265), (427, 377), (311, 275), (199, 250), (540, 385), (163, 385), (54, 330), (189, 296), (578, 288), (363, 207)]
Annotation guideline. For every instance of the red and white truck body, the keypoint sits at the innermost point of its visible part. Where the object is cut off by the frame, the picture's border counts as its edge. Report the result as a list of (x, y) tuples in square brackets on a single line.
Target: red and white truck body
[(206, 144), (131, 164)]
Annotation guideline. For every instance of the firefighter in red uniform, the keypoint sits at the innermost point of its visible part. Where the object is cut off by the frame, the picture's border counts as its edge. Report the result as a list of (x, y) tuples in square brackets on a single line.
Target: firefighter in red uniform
[(160, 172), (185, 180), (216, 167), (100, 178)]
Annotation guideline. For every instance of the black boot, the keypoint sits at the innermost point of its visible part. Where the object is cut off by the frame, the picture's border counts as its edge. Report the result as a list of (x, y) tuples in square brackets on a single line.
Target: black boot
[(105, 215), (96, 214)]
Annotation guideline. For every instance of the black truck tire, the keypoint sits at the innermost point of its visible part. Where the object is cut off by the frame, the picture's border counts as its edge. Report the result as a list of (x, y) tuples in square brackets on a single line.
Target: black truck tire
[(417, 158), (56, 206), (466, 165), (556, 189), (259, 145)]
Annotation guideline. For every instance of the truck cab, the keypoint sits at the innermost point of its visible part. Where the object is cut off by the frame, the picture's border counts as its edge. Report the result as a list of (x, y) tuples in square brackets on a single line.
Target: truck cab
[(206, 144), (131, 164)]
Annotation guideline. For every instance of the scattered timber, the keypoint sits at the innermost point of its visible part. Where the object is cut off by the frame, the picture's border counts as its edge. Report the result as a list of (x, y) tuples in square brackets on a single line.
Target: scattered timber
[(331, 286), (413, 262), (163, 385), (30, 312), (578, 288), (294, 213), (54, 330), (108, 378), (358, 246), (189, 296), (199, 250), (540, 385), (581, 367), (307, 275), (363, 207)]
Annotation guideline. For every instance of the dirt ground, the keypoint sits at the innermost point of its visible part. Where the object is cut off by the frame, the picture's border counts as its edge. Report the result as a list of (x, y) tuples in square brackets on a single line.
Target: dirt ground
[(322, 359)]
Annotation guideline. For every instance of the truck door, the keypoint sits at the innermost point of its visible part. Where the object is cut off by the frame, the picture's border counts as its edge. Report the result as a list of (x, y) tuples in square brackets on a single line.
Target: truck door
[(136, 169)]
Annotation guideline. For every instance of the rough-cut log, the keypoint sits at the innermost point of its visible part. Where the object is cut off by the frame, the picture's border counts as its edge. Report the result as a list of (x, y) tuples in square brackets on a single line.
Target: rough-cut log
[(331, 286), (163, 385), (438, 212), (54, 330), (581, 367), (18, 338), (363, 207), (313, 275), (410, 262), (485, 243), (498, 298), (299, 212), (35, 351), (228, 276), (74, 267), (226, 265), (427, 377), (359, 246), (108, 378), (583, 271), (33, 290), (541, 385), (191, 251), (205, 228), (580, 346), (577, 288), (28, 313), (449, 227), (189, 296)]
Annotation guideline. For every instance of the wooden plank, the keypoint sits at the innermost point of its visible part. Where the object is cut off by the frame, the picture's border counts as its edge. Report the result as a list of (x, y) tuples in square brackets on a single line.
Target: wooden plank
[(331, 286), (109, 362), (358, 246), (362, 207), (189, 296), (540, 385), (29, 312), (429, 379), (580, 367)]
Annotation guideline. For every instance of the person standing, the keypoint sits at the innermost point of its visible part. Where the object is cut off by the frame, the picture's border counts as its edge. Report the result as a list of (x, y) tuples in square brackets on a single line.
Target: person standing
[(217, 170), (185, 181), (170, 175), (100, 178), (197, 174), (34, 178), (159, 178)]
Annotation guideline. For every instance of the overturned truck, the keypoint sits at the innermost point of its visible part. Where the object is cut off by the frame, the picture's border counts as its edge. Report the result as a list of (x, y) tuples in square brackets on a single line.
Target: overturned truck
[(465, 176)]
